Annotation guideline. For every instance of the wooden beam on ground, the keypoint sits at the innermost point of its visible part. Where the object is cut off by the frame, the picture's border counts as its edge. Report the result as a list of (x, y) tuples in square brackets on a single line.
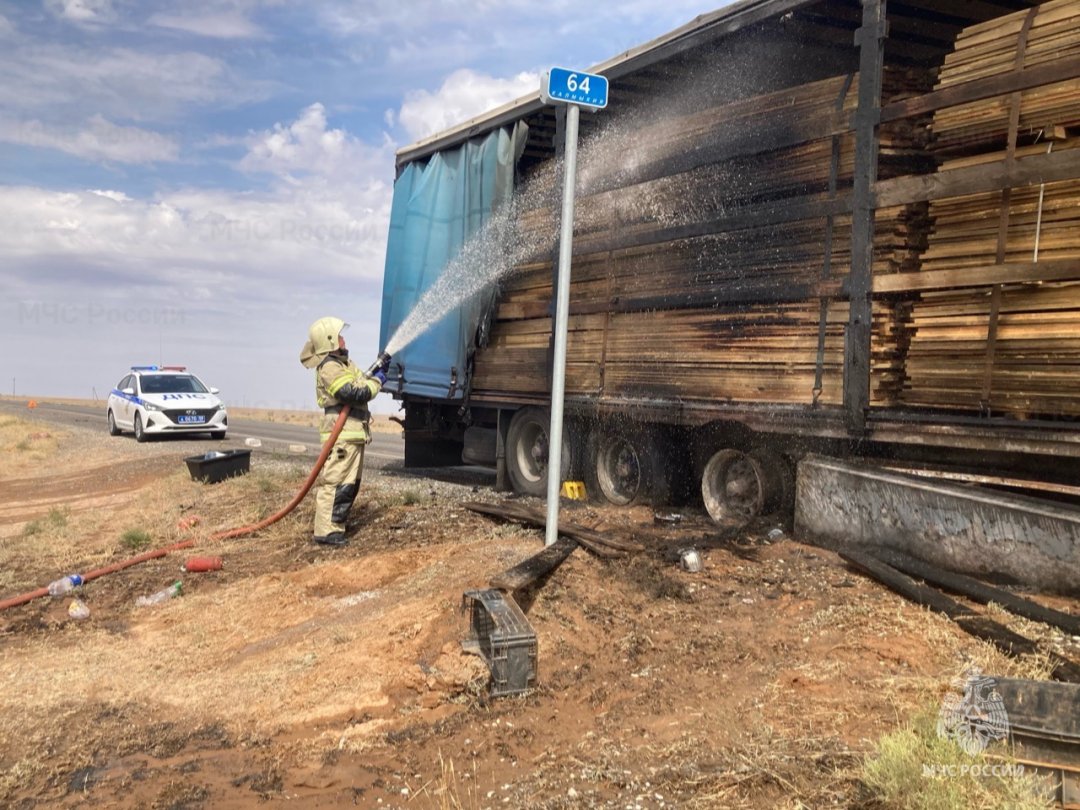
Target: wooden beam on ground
[(599, 543), (979, 591), (533, 568), (970, 622)]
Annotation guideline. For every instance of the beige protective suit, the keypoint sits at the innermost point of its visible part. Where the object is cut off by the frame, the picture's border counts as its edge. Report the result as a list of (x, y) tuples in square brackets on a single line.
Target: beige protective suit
[(338, 382)]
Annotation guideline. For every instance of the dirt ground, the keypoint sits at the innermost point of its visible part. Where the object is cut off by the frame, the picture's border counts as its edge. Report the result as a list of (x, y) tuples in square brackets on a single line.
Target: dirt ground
[(336, 678)]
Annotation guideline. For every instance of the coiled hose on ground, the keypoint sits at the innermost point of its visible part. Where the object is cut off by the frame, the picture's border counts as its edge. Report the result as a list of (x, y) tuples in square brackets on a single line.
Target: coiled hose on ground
[(328, 445)]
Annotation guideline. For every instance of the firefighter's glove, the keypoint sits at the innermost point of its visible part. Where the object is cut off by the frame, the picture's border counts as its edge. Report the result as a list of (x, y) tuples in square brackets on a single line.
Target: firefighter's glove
[(385, 365), (379, 375)]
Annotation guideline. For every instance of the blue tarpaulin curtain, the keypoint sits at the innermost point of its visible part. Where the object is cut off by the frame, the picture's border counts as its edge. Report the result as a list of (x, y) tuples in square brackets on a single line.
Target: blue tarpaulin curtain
[(437, 206)]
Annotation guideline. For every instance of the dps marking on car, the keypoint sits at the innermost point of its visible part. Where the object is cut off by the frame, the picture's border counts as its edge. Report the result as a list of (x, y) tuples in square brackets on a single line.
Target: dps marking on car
[(159, 400)]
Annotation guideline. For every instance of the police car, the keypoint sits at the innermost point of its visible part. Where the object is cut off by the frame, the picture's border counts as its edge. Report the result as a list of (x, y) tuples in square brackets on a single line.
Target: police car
[(156, 400)]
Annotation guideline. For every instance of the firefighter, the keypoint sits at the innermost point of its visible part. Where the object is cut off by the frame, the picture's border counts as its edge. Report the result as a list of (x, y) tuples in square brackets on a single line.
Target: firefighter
[(338, 382)]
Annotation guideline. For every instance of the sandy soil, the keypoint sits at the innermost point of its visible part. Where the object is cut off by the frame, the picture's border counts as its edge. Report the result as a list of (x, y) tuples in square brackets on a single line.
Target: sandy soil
[(336, 678)]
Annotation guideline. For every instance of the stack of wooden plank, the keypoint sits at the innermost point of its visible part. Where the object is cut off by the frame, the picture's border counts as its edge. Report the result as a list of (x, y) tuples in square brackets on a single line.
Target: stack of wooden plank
[(777, 358), (1011, 349), (745, 178), (890, 339), (517, 359), (762, 354), (1041, 224), (660, 317), (990, 49), (1036, 363), (805, 108)]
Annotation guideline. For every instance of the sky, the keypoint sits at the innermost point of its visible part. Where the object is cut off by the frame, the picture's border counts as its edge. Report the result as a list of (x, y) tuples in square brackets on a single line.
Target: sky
[(195, 183)]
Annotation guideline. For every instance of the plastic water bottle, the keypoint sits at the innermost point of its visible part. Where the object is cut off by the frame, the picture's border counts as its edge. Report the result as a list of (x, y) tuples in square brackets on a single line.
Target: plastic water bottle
[(65, 585), (164, 595)]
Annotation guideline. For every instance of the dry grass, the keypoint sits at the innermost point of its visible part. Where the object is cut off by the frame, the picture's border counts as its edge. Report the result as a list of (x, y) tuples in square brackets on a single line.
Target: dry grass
[(25, 443), (896, 776), (450, 790), (864, 615)]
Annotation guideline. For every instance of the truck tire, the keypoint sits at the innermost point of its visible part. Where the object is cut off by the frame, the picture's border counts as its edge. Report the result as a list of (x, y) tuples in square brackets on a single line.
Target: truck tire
[(628, 467), (527, 451), (737, 486), (779, 478)]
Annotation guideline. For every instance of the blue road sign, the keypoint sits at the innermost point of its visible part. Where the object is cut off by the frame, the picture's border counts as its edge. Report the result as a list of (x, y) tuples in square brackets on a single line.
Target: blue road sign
[(574, 87)]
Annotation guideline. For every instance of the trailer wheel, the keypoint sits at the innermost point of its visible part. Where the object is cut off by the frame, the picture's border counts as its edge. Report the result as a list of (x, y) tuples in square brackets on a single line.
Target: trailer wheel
[(527, 451), (779, 479), (738, 486), (629, 467)]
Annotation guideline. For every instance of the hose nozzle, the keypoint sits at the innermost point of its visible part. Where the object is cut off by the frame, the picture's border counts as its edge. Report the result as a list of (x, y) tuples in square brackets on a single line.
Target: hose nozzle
[(381, 364)]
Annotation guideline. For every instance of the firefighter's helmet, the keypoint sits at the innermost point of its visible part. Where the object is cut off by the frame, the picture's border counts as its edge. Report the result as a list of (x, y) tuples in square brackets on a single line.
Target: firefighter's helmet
[(322, 339)]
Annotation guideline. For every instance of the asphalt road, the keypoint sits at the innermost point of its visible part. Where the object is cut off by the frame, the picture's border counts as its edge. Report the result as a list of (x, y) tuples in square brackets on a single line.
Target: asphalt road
[(385, 450)]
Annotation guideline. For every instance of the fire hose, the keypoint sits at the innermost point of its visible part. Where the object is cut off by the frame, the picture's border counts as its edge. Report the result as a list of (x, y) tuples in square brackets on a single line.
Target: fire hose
[(382, 363), (328, 445)]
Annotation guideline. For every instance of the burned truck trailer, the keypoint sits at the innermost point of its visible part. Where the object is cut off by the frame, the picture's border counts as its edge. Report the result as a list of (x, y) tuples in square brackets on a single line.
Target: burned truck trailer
[(839, 226)]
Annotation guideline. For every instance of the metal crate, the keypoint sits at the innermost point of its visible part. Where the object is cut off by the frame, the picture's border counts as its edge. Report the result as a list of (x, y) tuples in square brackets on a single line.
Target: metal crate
[(503, 637)]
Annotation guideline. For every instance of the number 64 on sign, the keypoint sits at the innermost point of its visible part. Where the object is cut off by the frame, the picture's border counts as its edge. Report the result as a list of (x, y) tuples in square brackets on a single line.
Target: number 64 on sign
[(564, 86)]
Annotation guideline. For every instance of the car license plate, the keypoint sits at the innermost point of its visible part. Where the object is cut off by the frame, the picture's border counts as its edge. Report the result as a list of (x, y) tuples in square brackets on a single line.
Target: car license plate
[(185, 419)]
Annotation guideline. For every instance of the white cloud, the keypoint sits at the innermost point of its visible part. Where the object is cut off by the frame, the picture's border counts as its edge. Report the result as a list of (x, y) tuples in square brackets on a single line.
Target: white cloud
[(463, 95), (225, 24), (350, 17), (115, 196), (212, 239), (82, 11), (329, 209), (107, 275), (98, 140), (7, 28), (116, 82), (328, 213), (307, 147), (226, 282)]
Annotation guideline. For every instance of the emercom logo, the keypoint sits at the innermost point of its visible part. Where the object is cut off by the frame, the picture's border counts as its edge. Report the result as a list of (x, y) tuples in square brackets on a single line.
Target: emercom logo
[(973, 713)]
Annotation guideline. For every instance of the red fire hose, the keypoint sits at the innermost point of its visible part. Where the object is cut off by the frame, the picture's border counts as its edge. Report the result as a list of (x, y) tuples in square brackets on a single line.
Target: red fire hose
[(328, 445)]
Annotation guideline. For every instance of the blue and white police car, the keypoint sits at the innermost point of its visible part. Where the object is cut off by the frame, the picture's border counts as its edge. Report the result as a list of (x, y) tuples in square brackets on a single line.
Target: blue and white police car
[(157, 400)]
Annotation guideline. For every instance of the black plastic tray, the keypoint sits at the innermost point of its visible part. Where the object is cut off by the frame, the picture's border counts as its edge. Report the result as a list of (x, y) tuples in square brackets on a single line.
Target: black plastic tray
[(218, 465)]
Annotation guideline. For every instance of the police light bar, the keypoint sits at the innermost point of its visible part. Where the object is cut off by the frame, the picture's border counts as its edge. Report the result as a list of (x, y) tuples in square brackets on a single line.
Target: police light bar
[(159, 368)]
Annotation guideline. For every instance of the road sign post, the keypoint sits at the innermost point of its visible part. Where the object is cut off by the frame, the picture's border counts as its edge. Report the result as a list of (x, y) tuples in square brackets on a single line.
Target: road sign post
[(574, 88)]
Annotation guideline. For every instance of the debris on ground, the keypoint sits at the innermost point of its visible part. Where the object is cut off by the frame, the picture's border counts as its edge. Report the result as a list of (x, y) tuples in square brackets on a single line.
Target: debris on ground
[(336, 677)]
